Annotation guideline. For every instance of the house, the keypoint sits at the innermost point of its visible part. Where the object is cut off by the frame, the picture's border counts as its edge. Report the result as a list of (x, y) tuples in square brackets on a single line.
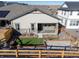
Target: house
[(10, 3), (69, 15), (29, 19), (2, 3), (53, 8)]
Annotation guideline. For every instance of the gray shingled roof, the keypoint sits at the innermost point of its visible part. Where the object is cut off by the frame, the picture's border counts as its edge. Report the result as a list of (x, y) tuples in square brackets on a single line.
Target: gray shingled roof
[(71, 6), (17, 10)]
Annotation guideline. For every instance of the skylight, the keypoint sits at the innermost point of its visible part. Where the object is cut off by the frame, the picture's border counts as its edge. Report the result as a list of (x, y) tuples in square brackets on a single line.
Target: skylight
[(3, 13)]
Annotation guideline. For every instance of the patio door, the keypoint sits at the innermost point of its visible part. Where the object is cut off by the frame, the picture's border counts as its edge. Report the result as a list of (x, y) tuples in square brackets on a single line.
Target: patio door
[(40, 27)]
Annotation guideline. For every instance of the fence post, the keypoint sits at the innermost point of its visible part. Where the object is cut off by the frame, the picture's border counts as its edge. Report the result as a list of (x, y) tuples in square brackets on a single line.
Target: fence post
[(16, 53), (39, 53), (62, 54)]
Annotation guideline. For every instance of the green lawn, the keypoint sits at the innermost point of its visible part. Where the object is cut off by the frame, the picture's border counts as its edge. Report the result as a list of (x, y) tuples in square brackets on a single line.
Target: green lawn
[(30, 41)]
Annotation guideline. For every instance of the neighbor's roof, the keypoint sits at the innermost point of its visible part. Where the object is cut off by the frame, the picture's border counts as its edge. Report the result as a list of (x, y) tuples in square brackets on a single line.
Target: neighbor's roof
[(71, 6), (54, 7), (17, 10)]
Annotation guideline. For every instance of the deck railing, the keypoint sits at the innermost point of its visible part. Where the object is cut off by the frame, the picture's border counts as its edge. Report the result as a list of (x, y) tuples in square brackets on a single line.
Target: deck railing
[(39, 53)]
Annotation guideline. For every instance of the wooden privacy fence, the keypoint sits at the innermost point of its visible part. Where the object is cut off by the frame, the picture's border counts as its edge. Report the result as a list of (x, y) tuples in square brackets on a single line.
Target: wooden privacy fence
[(39, 53)]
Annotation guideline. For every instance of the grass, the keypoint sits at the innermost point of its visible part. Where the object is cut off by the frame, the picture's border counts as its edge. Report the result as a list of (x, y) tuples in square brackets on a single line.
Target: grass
[(30, 41)]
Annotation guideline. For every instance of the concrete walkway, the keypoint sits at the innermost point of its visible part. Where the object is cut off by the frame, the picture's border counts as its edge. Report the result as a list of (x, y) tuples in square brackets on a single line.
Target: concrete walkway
[(58, 43)]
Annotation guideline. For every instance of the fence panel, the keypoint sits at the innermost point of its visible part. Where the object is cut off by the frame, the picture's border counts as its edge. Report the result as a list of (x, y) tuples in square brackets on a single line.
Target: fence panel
[(39, 53)]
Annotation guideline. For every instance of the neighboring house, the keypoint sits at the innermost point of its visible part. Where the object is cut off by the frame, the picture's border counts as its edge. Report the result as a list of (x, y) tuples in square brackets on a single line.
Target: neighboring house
[(10, 3), (29, 19), (53, 8), (69, 15), (2, 3)]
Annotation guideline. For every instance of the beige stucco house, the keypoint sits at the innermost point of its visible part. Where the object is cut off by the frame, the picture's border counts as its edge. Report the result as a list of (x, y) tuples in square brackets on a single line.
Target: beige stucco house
[(30, 19)]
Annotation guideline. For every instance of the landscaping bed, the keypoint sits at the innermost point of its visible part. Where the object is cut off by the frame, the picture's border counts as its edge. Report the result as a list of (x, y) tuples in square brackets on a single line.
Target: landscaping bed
[(30, 41)]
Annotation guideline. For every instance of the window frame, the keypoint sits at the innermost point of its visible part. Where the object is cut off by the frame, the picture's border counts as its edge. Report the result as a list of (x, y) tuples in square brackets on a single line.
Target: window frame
[(64, 12), (74, 23), (32, 26), (18, 26)]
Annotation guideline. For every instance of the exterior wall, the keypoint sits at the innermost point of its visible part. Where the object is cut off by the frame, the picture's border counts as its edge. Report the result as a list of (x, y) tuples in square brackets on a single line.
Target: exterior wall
[(67, 17), (71, 27), (26, 21), (74, 15)]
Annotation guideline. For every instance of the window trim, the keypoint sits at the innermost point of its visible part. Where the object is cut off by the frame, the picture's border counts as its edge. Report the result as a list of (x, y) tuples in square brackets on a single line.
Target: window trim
[(74, 23), (32, 26), (18, 26)]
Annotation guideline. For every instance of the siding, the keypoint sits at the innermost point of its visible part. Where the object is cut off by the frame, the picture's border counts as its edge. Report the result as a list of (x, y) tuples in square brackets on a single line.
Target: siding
[(26, 20), (71, 27)]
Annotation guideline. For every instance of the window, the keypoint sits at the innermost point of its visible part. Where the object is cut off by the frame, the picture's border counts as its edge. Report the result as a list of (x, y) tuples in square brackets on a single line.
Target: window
[(78, 13), (64, 12), (3, 13), (70, 12), (77, 23), (32, 26), (74, 23), (17, 26)]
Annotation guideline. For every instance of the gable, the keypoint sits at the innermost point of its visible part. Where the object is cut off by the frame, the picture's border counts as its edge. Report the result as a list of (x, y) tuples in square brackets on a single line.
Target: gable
[(36, 18), (64, 6)]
